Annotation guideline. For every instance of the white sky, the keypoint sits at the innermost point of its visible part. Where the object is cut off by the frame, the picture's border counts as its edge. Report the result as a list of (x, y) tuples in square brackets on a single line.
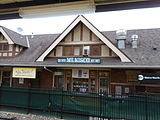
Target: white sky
[(106, 21)]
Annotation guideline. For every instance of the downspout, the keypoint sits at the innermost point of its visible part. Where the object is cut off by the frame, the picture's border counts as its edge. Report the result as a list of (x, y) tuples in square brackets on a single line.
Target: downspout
[(48, 69), (52, 74)]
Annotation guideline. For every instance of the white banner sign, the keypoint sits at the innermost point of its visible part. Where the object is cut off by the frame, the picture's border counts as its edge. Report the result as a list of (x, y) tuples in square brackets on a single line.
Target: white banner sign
[(24, 72)]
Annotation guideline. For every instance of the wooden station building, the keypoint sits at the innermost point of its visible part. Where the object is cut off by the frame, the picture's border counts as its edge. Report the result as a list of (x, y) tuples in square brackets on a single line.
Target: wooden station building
[(82, 59)]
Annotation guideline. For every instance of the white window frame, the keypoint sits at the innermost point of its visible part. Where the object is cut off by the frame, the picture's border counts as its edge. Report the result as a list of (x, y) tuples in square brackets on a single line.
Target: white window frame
[(76, 51), (87, 48)]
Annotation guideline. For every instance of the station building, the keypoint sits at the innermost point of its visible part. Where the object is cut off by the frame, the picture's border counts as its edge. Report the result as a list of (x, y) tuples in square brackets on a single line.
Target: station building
[(82, 59)]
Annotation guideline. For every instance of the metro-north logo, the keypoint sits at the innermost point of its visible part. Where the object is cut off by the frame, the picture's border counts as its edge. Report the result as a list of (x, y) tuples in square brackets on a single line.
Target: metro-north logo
[(140, 77)]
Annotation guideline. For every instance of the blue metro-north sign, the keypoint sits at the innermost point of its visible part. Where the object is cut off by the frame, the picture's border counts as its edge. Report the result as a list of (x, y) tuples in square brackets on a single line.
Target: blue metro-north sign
[(79, 60)]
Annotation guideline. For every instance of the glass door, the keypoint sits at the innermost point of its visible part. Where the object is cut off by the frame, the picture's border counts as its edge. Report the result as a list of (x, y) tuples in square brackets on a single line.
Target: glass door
[(104, 82), (58, 83)]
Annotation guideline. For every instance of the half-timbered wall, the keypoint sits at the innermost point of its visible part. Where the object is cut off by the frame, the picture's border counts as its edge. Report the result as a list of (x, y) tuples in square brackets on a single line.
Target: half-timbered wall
[(7, 50), (76, 40)]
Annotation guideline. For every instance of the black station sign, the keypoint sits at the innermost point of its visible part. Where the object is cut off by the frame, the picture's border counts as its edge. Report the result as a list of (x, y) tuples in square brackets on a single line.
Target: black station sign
[(79, 60), (149, 77)]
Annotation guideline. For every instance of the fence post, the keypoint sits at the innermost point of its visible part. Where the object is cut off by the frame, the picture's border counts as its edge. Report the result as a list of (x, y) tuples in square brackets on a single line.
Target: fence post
[(62, 103), (146, 106), (49, 101), (29, 100), (0, 95), (100, 104)]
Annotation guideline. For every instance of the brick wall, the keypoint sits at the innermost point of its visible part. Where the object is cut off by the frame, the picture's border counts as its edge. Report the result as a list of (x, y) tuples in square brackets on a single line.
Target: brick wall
[(46, 80), (15, 83)]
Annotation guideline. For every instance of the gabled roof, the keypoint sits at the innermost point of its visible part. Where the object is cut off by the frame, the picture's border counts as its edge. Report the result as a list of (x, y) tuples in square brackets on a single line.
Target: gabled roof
[(82, 19), (13, 37), (144, 56)]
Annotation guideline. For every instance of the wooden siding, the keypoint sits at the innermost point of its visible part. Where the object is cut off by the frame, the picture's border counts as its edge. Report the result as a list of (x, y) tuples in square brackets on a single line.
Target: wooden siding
[(2, 38), (81, 36), (77, 33), (59, 51), (86, 34), (105, 51)]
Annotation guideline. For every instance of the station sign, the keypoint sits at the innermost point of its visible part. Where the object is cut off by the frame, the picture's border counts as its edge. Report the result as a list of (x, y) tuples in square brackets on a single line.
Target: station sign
[(151, 77), (79, 60)]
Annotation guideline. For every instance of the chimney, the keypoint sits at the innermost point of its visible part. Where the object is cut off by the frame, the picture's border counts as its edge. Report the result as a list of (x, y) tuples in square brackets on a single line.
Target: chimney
[(32, 36), (121, 38), (134, 41)]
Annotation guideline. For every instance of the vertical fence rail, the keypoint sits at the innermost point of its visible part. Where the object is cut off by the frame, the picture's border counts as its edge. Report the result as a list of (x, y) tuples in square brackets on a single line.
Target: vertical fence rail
[(29, 100), (0, 96), (62, 103), (146, 106)]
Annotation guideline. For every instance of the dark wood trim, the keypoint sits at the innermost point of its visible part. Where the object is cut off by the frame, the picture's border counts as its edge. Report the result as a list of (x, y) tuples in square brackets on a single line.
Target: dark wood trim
[(72, 35), (82, 44), (82, 56), (54, 50), (89, 84), (110, 52), (81, 31), (90, 35)]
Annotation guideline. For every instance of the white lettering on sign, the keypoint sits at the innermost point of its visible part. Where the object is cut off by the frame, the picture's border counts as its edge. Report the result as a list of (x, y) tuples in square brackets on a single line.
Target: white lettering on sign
[(78, 60)]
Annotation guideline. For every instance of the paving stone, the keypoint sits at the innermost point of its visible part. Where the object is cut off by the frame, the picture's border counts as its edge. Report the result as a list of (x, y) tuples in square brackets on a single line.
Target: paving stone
[(19, 116)]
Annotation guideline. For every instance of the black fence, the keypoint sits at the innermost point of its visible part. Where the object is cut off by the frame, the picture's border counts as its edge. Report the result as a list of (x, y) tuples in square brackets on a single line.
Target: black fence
[(80, 106)]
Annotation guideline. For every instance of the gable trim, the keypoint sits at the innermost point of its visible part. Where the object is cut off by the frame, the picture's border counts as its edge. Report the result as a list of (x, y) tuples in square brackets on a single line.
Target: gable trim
[(123, 57), (6, 36)]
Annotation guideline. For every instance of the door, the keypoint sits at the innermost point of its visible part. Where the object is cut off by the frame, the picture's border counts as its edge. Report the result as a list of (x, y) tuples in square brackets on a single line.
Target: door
[(104, 82), (6, 78), (58, 83), (103, 85)]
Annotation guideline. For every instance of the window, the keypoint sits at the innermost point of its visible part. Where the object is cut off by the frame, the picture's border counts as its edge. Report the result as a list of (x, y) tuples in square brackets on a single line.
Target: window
[(10, 47), (17, 48), (2, 38), (80, 73), (4, 47), (121, 44), (86, 50), (5, 50), (21, 80), (76, 51), (95, 50), (1, 47)]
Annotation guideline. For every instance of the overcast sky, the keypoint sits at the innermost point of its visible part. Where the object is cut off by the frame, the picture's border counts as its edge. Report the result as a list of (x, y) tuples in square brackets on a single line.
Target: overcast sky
[(106, 21)]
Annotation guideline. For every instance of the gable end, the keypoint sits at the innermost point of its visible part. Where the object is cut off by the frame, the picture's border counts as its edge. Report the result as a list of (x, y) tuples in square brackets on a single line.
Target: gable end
[(119, 53)]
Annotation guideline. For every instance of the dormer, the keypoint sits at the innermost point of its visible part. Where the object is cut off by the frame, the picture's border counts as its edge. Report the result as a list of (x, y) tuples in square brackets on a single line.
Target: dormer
[(11, 43)]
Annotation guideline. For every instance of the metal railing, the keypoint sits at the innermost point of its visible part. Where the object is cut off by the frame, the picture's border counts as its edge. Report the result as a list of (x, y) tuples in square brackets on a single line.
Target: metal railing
[(80, 106)]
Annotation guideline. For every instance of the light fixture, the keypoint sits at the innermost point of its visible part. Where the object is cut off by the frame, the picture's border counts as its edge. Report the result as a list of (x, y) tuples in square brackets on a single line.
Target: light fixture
[(58, 9)]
